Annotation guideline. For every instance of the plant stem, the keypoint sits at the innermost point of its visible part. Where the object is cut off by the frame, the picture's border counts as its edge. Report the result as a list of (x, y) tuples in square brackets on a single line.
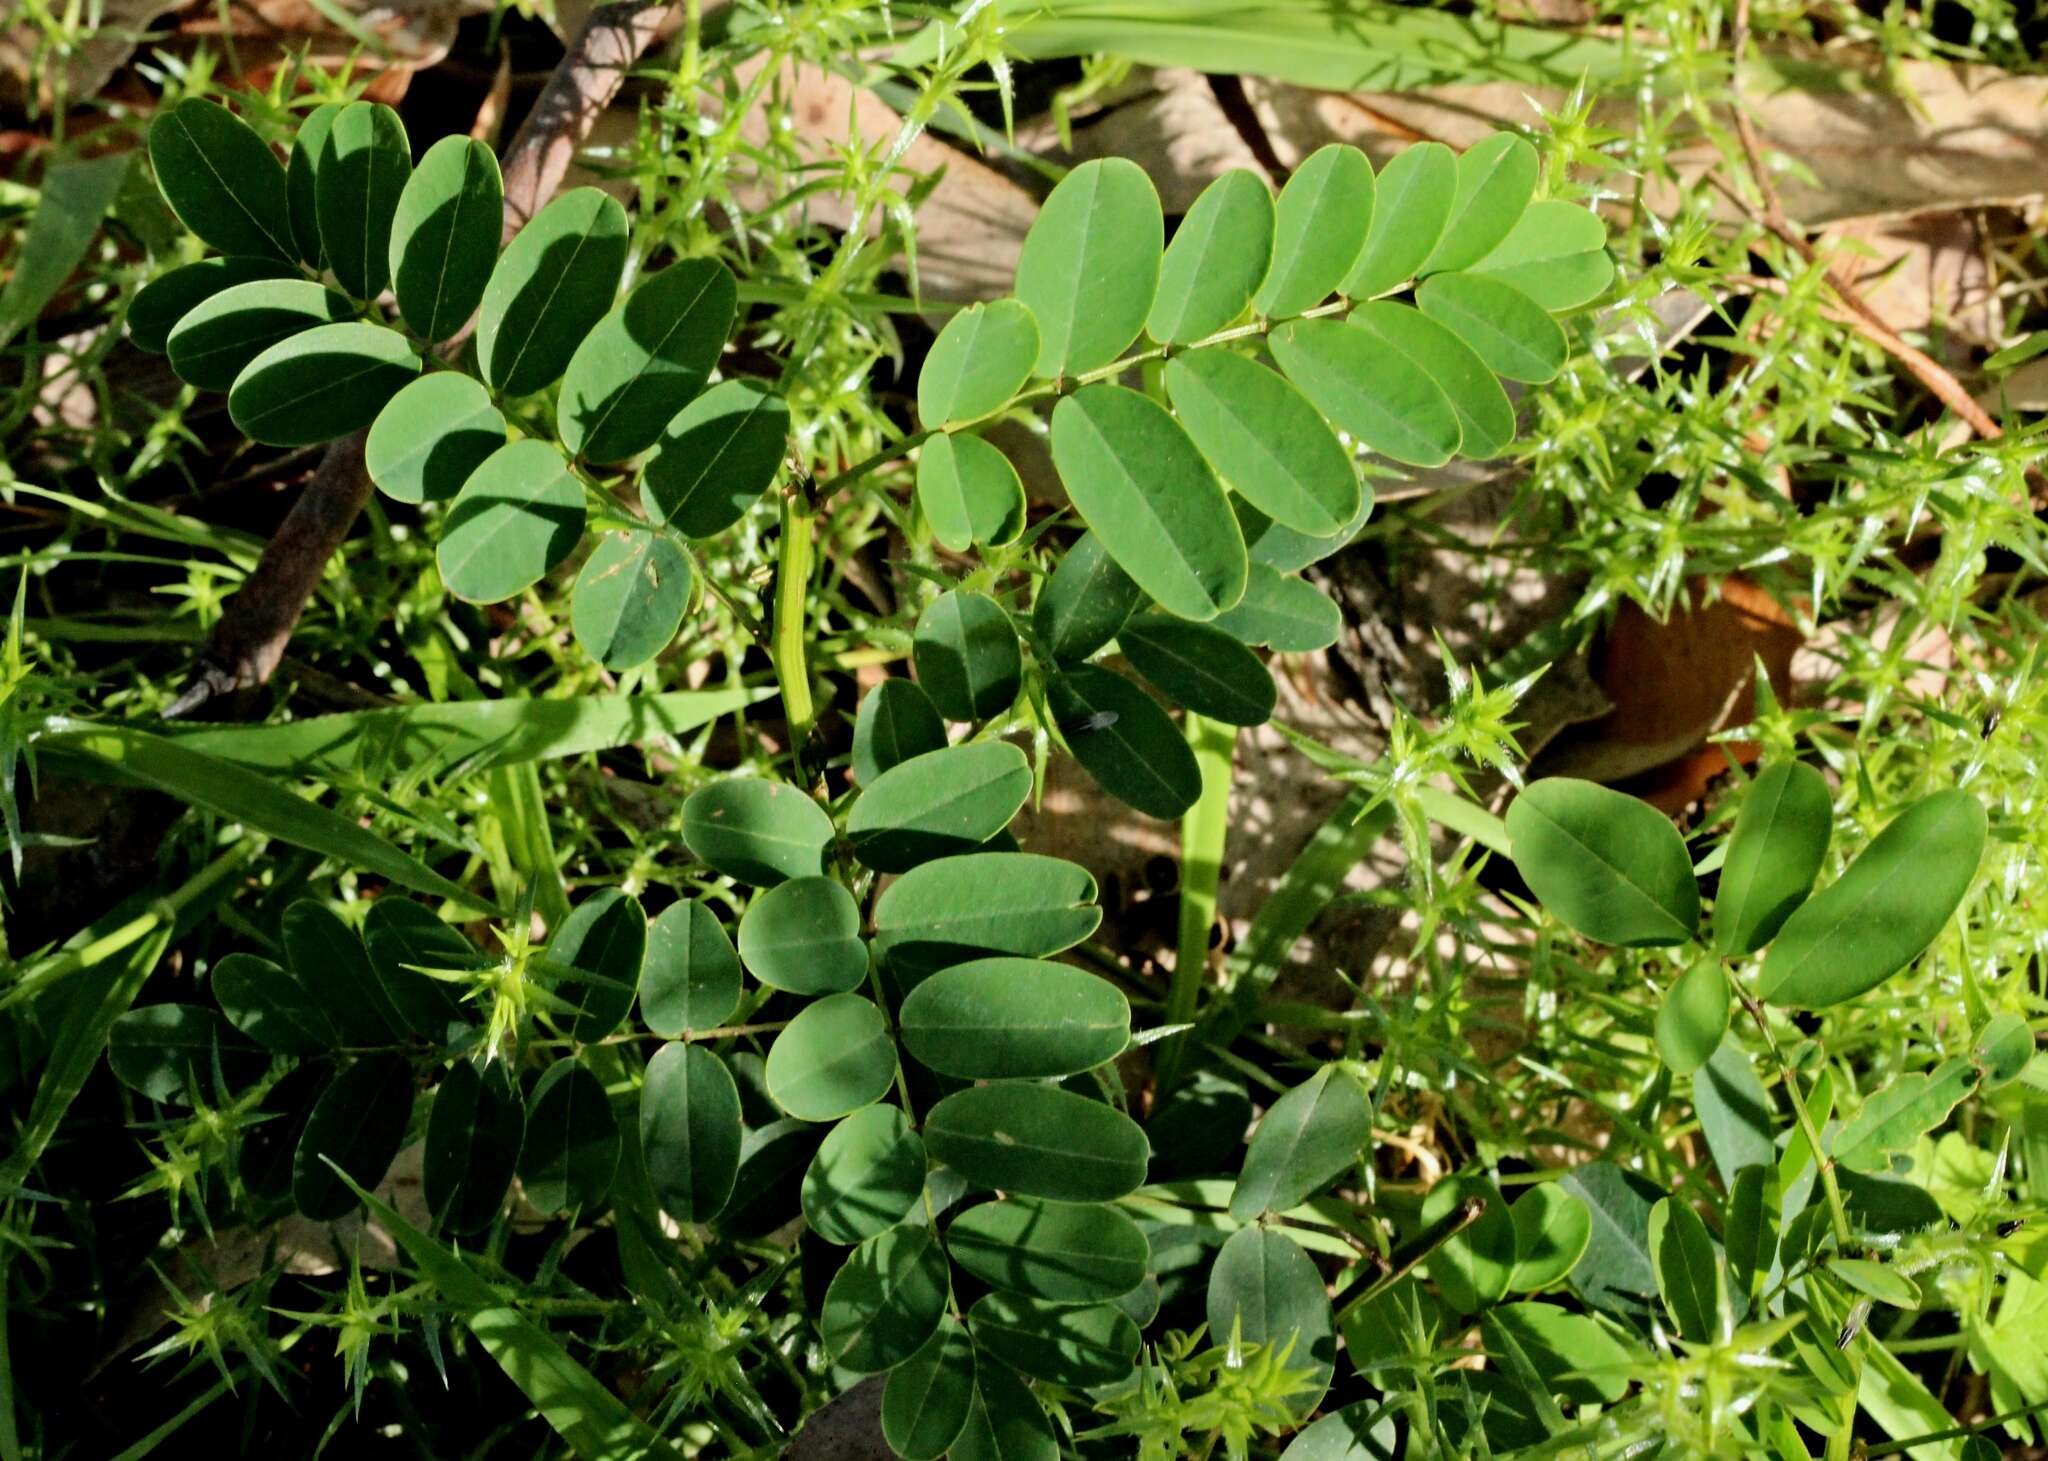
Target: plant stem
[(1837, 1213), (794, 556), (1202, 834)]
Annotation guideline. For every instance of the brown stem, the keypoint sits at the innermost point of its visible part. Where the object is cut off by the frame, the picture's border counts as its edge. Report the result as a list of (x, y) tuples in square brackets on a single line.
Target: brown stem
[(583, 85), (245, 647)]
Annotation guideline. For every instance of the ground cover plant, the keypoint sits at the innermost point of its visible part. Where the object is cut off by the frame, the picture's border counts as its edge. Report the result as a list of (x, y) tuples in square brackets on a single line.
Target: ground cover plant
[(589, 634)]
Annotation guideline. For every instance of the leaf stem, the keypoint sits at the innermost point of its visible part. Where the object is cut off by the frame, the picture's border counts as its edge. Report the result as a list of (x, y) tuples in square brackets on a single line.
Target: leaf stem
[(1837, 1212)]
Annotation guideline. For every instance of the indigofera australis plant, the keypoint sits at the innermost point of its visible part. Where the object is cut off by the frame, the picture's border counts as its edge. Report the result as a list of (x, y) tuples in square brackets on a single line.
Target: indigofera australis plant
[(1215, 408)]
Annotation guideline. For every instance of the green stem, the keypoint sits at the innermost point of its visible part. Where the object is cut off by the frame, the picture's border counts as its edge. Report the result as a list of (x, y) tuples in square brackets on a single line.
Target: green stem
[(1838, 1213), (1202, 834), (794, 557)]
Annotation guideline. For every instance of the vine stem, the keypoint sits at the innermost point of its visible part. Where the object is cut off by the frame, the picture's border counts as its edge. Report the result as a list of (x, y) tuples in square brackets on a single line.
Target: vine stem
[(1838, 1213)]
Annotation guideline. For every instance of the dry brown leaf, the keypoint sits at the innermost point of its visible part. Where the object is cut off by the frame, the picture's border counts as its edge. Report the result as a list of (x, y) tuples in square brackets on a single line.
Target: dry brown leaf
[(1674, 683)]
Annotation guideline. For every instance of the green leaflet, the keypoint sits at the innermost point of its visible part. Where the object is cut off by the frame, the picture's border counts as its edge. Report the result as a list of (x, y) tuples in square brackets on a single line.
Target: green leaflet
[(1688, 1268), (1265, 1290), (1896, 1116), (1606, 864), (444, 236), (832, 1059), (1038, 1141), (646, 360), (716, 458), (1219, 256), (1059, 1343), (302, 187), (1552, 1230), (967, 655), (895, 722), (1379, 396), (1496, 178), (1200, 668), (431, 436), (1283, 612), (1415, 193), (474, 1132), (865, 1177), (518, 516), (1916, 870), (554, 281), (572, 1141), (926, 1402), (1265, 439), (803, 936), (1775, 852), (886, 1301), (630, 598), (321, 383), (365, 162), (1307, 1138), (1322, 219), (1145, 490), (330, 959), (757, 831), (969, 493), (221, 179), (938, 803), (984, 903), (408, 946), (272, 1006), (1693, 1017), (596, 958), (1486, 419), (1472, 1269), (980, 360), (1556, 254), (1084, 602), (1005, 1421), (1010, 1018), (690, 1132), (356, 1128), (1124, 740), (169, 1053), (1505, 328), (1060, 1252), (1575, 1354), (160, 304), (1364, 1430), (1090, 265), (217, 338), (690, 976)]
